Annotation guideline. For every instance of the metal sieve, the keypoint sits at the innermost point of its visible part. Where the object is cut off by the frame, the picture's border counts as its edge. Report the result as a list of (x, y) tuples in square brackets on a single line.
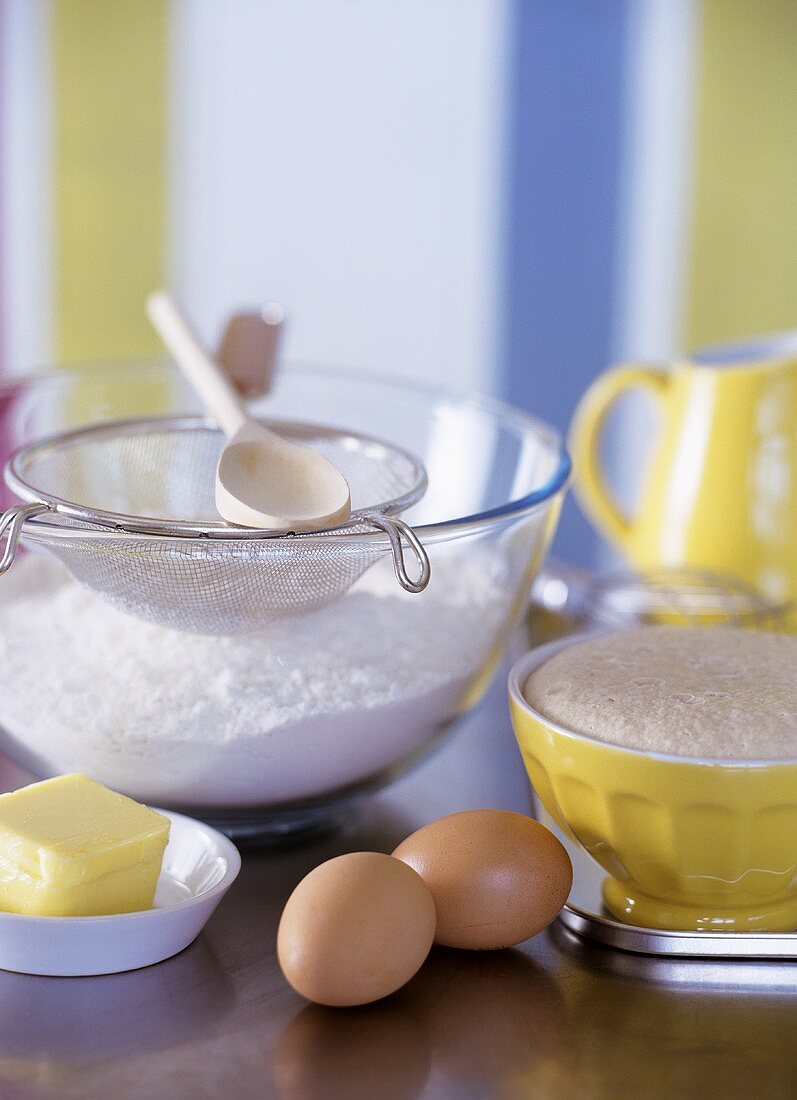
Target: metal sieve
[(128, 507)]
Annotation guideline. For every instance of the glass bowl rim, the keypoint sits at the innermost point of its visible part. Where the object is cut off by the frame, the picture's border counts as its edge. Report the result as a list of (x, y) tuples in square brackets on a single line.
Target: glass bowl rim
[(501, 411)]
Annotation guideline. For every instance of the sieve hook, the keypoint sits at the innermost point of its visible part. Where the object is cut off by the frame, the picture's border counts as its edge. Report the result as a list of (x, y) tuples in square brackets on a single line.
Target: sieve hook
[(11, 528), (396, 530)]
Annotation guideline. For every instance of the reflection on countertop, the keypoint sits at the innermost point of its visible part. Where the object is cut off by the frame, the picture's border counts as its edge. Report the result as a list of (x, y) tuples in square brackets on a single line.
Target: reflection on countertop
[(471, 1020)]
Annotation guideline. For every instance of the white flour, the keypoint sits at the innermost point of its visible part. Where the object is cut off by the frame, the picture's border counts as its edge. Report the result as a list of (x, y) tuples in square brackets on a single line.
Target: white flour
[(177, 719)]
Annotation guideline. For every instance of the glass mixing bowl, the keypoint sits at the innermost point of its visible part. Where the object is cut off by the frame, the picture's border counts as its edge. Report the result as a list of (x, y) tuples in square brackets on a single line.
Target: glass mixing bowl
[(274, 733)]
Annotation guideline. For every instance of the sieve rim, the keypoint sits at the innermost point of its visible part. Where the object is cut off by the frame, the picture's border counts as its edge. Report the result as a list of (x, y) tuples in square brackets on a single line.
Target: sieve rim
[(121, 523)]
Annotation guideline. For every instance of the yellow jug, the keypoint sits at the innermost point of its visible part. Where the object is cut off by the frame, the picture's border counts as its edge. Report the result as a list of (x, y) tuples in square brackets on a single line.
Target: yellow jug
[(719, 492)]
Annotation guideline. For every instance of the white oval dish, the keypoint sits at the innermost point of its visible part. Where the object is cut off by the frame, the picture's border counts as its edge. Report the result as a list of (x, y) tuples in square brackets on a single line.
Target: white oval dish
[(199, 866)]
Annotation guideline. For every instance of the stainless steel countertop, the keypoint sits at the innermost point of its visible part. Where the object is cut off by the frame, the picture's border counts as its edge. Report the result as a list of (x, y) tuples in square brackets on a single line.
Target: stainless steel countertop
[(556, 1018)]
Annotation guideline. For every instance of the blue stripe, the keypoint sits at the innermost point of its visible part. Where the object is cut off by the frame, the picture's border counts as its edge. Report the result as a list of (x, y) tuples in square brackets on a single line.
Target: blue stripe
[(566, 102)]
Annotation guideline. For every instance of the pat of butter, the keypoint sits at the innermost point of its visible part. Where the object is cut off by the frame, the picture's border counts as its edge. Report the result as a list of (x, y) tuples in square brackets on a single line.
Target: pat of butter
[(70, 847)]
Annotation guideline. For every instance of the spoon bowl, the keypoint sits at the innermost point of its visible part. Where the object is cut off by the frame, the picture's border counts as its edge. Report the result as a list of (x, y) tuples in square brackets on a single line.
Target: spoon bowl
[(267, 482)]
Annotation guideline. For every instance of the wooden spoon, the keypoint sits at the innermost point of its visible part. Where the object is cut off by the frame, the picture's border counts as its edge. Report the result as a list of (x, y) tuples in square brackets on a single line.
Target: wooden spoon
[(262, 480)]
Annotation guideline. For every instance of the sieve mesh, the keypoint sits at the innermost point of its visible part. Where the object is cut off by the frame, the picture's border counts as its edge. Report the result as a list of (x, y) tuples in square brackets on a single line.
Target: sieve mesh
[(133, 518)]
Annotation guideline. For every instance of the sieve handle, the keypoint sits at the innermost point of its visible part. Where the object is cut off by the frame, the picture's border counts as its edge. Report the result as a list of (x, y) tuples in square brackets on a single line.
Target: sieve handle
[(397, 530), (210, 382), (11, 523)]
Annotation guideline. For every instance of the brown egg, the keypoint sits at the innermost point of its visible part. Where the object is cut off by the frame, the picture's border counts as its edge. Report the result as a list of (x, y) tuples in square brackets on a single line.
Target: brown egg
[(355, 929), (496, 877)]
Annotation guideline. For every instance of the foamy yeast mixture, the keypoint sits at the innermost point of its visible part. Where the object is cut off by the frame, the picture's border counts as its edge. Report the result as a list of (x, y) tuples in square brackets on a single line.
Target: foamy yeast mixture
[(716, 692)]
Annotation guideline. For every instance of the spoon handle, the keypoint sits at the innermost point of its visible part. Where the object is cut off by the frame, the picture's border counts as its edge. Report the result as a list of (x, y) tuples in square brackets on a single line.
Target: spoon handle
[(210, 383)]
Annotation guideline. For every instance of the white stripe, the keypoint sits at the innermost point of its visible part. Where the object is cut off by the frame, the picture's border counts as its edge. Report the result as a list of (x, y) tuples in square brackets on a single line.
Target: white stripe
[(346, 160), (25, 203), (660, 98), (657, 183)]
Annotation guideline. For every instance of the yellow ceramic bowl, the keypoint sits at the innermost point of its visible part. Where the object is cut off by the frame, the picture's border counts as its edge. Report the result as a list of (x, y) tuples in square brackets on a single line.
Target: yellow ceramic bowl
[(688, 843)]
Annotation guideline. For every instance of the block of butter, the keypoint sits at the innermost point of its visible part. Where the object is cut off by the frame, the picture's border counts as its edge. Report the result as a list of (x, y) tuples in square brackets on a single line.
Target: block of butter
[(71, 847)]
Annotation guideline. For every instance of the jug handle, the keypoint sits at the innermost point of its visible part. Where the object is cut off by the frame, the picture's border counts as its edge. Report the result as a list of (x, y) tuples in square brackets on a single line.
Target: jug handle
[(590, 485)]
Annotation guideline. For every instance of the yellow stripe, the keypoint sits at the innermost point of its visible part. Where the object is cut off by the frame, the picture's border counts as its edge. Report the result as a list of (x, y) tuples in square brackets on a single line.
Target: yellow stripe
[(743, 269), (109, 120)]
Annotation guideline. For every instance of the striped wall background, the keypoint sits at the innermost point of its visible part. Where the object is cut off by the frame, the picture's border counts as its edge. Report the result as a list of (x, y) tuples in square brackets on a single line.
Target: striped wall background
[(506, 194)]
